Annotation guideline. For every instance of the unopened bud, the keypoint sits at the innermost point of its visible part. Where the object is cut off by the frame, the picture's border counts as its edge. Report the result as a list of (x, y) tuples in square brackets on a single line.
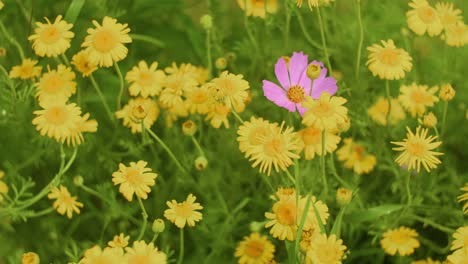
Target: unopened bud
[(158, 226), (2, 52), (189, 128), (313, 71), (343, 196), (30, 258), (256, 226), (201, 163), (429, 120), (345, 125), (207, 22), (230, 56), (447, 92), (221, 63), (78, 180)]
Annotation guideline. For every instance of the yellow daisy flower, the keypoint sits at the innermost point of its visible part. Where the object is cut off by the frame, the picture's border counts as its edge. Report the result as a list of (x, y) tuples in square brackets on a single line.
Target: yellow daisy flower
[(51, 39), (387, 61), (326, 113), (64, 202), (423, 17), (27, 70), (144, 253), (464, 198), (174, 113), (30, 258), (458, 257), (416, 98), (184, 213), (417, 148), (311, 141), (218, 115), (252, 132), (402, 240), (130, 113), (199, 100), (3, 186), (258, 8), (255, 249), (179, 81), (120, 241), (460, 239), (63, 123), (145, 81), (105, 43), (326, 250), (356, 157), (56, 85), (230, 89), (426, 261), (314, 3), (379, 110), (103, 256), (83, 64), (135, 179), (456, 35), (448, 14)]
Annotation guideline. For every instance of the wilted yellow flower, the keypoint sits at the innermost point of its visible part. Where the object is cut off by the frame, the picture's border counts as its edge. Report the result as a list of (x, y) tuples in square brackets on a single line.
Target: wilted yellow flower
[(456, 35), (144, 253), (255, 249), (416, 98), (56, 85), (30, 258), (417, 149), (135, 179), (105, 43), (184, 213), (258, 8), (429, 120), (422, 17), (326, 113), (3, 186), (64, 202), (145, 81), (387, 61), (83, 63), (120, 241), (446, 92), (356, 157), (26, 70), (402, 240), (379, 110), (230, 89), (51, 39), (136, 110), (464, 198), (311, 141), (103, 256), (326, 250)]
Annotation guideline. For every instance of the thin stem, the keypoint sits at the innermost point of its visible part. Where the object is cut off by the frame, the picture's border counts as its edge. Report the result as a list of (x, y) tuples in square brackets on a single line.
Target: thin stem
[(144, 214), (444, 118), (168, 150), (389, 100), (322, 165), (148, 39), (290, 177), (65, 59), (432, 223), (181, 249), (93, 192), (154, 237), (324, 42), (101, 96), (208, 53), (408, 190), (305, 32), (41, 213), (287, 25), (121, 80), (237, 116), (197, 145), (12, 40), (361, 39)]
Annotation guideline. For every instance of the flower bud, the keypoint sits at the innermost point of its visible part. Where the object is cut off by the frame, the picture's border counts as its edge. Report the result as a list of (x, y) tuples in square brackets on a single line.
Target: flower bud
[(230, 56), (343, 196), (429, 120), (158, 226), (447, 92), (313, 71), (78, 180), (286, 59), (30, 258), (256, 226), (345, 125), (221, 63), (2, 52), (189, 128), (201, 163), (139, 113), (207, 22)]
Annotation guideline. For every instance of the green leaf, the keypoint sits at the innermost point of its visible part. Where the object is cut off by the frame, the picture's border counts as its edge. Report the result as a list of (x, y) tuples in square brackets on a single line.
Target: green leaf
[(336, 229), (74, 10), (374, 213)]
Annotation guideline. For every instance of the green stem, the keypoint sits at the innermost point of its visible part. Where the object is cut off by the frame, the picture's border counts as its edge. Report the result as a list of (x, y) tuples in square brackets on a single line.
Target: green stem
[(432, 223), (12, 40), (208, 53), (41, 213), (389, 100), (181, 249), (444, 118), (168, 150), (93, 192), (290, 177), (197, 145), (144, 214), (287, 25), (305, 32), (154, 237), (65, 59), (101, 96), (148, 39), (322, 165), (121, 80), (237, 116), (324, 42), (361, 39), (408, 190)]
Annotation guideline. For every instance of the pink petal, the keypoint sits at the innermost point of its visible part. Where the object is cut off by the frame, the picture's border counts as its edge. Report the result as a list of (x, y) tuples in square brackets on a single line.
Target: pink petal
[(301, 109), (281, 71), (297, 66), (321, 85), (305, 83), (277, 95)]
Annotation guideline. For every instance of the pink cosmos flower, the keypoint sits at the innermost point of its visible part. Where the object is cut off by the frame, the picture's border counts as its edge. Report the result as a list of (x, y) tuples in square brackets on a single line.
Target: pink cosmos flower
[(295, 84)]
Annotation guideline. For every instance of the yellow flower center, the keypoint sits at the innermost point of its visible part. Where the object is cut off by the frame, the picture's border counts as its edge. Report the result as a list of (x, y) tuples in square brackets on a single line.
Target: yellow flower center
[(274, 147), (418, 97), (146, 79), (323, 109), (133, 176), (359, 151), (427, 14), (416, 148), (105, 40), (25, 70), (296, 94), (53, 84), (183, 210), (50, 35), (56, 115), (327, 254), (254, 249), (286, 213), (312, 136), (256, 135), (389, 56), (199, 97), (138, 260), (399, 238)]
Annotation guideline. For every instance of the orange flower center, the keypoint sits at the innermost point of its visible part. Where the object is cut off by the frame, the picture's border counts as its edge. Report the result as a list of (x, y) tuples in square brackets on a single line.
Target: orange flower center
[(50, 35), (183, 210), (146, 79), (56, 115), (53, 84), (286, 213), (133, 176), (105, 40), (389, 56), (274, 147), (254, 249), (427, 14), (359, 151), (296, 94)]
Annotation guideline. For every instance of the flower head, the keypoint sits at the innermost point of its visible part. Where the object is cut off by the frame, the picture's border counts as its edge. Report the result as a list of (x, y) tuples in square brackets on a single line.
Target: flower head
[(83, 64), (311, 141), (423, 17), (218, 115), (402, 240), (356, 157), (296, 86), (417, 148), (343, 196), (56, 85), (145, 81), (139, 110), (64, 202), (458, 257), (27, 70), (416, 98), (326, 250), (387, 61), (379, 110), (30, 258), (144, 253), (230, 89), (184, 213), (105, 43), (460, 239), (135, 179), (52, 39), (180, 80), (448, 14), (199, 99), (429, 120), (258, 8), (120, 241), (456, 35), (103, 256), (255, 249), (325, 113), (446, 92), (464, 198)]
